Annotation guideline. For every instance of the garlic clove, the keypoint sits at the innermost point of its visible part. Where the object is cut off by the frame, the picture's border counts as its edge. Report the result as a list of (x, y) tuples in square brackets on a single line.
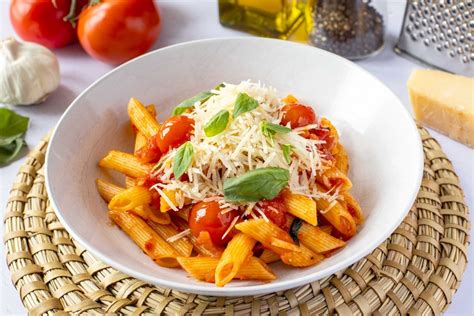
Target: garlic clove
[(28, 72)]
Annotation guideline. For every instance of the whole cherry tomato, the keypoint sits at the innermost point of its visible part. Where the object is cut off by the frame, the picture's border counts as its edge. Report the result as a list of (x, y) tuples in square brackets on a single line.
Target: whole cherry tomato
[(298, 115), (46, 22), (175, 131), (115, 31), (207, 216), (275, 210)]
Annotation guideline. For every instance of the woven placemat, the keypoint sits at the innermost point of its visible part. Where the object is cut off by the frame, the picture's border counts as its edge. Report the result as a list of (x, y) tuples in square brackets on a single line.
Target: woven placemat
[(416, 270)]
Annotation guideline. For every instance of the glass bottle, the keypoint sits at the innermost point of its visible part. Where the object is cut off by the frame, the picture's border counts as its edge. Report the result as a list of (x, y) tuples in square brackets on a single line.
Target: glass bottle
[(351, 28), (270, 18)]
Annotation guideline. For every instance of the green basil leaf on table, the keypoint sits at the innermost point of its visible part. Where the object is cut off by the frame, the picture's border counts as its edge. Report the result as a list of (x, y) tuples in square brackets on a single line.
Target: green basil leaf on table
[(287, 148), (270, 129), (255, 185), (182, 160), (294, 228), (189, 103), (217, 124), (12, 126), (244, 103)]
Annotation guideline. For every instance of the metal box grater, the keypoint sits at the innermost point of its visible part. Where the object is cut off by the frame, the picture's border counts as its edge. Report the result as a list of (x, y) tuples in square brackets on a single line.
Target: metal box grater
[(439, 33)]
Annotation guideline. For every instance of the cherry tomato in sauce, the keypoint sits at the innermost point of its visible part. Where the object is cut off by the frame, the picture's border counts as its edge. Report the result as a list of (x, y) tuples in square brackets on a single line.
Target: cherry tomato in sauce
[(325, 135), (298, 115), (175, 131), (275, 210), (150, 152), (208, 216)]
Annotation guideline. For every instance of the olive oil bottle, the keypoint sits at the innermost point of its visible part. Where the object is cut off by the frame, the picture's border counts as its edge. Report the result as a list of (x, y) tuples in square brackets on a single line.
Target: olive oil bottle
[(270, 18)]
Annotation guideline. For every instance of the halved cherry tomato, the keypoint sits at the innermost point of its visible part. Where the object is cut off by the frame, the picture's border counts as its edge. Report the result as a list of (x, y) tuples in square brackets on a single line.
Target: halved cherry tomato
[(150, 152), (115, 31), (44, 21), (174, 132), (207, 216), (275, 210), (298, 115)]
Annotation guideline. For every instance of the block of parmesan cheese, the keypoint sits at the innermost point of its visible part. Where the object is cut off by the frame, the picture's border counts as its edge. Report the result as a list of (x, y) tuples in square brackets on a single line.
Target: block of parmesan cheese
[(444, 102)]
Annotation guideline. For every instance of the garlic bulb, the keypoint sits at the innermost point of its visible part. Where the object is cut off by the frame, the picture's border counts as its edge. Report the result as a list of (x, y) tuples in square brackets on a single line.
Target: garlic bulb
[(28, 72)]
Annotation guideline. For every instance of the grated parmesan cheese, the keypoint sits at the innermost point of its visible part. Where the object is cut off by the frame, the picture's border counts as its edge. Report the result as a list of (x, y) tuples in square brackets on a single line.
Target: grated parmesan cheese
[(179, 235), (240, 148)]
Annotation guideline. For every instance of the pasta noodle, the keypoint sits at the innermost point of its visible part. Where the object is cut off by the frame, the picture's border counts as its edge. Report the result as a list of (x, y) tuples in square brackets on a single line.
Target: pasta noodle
[(234, 256), (301, 206), (203, 268), (142, 119), (125, 163), (130, 198), (146, 238)]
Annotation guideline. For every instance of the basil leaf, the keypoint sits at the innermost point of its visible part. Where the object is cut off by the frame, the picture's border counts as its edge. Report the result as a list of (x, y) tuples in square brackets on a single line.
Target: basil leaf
[(182, 160), (189, 103), (244, 103), (9, 151), (255, 185), (270, 129), (286, 152), (219, 86), (294, 228), (217, 124), (12, 126)]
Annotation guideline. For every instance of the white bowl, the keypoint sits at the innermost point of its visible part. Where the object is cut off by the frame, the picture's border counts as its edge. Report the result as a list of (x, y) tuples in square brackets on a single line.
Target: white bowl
[(381, 138)]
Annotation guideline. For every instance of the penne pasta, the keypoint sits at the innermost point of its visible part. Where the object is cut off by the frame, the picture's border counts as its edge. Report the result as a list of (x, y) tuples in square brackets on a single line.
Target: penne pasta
[(107, 190), (341, 159), (182, 245), (140, 141), (269, 256), (353, 207), (333, 177), (170, 202), (146, 238), (301, 206), (203, 268), (160, 218), (237, 252), (276, 239), (338, 216), (129, 182), (304, 258), (142, 119), (130, 198), (125, 163), (317, 240)]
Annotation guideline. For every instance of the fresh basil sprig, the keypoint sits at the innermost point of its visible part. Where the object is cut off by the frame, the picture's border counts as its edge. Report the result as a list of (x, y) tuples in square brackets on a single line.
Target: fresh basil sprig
[(287, 148), (217, 124), (182, 160), (244, 103), (189, 103), (12, 128), (294, 228), (255, 185), (270, 129)]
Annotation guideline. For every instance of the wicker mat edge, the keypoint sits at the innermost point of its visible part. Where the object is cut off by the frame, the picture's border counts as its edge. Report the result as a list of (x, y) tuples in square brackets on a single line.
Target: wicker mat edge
[(416, 270)]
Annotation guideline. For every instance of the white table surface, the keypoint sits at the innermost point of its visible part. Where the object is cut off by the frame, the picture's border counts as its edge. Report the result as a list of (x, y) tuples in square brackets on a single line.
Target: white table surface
[(185, 20)]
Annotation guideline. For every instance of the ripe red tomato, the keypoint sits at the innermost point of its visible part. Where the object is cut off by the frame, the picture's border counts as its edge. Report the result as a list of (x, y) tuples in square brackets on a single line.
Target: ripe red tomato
[(275, 210), (298, 115), (115, 31), (207, 216), (43, 21), (150, 152), (174, 132)]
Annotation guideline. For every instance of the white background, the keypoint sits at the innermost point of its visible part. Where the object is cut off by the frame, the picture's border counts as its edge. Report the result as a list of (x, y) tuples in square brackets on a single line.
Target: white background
[(185, 20)]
